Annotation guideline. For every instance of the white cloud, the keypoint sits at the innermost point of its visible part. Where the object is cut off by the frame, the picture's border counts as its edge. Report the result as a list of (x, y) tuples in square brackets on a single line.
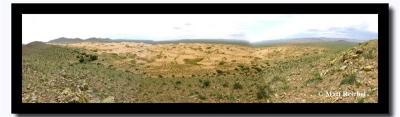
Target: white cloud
[(252, 27), (297, 24)]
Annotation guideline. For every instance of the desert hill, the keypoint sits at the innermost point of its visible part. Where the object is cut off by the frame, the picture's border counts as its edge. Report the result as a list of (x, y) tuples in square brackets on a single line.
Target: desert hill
[(127, 72)]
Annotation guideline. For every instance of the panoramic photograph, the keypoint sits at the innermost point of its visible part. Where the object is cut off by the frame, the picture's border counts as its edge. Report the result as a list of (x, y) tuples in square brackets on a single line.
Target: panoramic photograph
[(199, 58)]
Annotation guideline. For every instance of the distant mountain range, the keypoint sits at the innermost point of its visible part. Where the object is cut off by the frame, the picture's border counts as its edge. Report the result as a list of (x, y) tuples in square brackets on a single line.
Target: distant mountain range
[(64, 40)]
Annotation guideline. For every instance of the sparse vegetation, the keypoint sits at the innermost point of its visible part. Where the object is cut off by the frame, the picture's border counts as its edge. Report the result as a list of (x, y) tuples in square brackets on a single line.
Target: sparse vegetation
[(205, 83), (221, 63), (92, 57), (370, 54), (263, 92), (202, 97), (226, 84), (193, 61), (349, 79), (219, 72), (203, 72), (237, 86), (178, 82), (81, 59), (316, 78), (361, 100)]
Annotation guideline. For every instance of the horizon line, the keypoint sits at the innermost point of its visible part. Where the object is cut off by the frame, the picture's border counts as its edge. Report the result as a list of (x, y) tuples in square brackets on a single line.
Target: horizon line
[(366, 39)]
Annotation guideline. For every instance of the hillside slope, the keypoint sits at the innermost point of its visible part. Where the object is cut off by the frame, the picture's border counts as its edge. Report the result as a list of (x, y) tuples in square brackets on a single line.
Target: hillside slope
[(53, 74), (352, 73)]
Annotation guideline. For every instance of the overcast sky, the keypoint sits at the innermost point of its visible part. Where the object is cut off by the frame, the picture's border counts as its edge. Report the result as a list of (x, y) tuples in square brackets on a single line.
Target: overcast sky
[(251, 27)]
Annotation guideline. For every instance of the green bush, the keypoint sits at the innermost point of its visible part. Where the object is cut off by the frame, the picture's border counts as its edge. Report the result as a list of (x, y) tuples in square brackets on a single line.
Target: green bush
[(221, 63), (237, 86), (317, 77), (226, 84), (263, 92), (202, 97), (93, 57), (193, 61), (205, 83), (178, 82), (369, 54), (361, 100), (81, 59), (258, 69), (219, 71), (243, 68), (349, 79)]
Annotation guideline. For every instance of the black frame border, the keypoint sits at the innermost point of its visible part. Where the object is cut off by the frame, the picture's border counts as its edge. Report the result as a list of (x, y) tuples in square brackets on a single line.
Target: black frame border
[(382, 9)]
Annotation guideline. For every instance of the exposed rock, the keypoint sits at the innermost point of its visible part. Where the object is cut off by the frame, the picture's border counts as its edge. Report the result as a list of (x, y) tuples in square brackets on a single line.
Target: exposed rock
[(74, 99), (343, 67), (34, 98), (95, 100), (276, 95), (83, 87), (359, 51), (354, 71), (109, 99), (332, 62), (324, 72), (66, 91), (354, 56), (368, 68)]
